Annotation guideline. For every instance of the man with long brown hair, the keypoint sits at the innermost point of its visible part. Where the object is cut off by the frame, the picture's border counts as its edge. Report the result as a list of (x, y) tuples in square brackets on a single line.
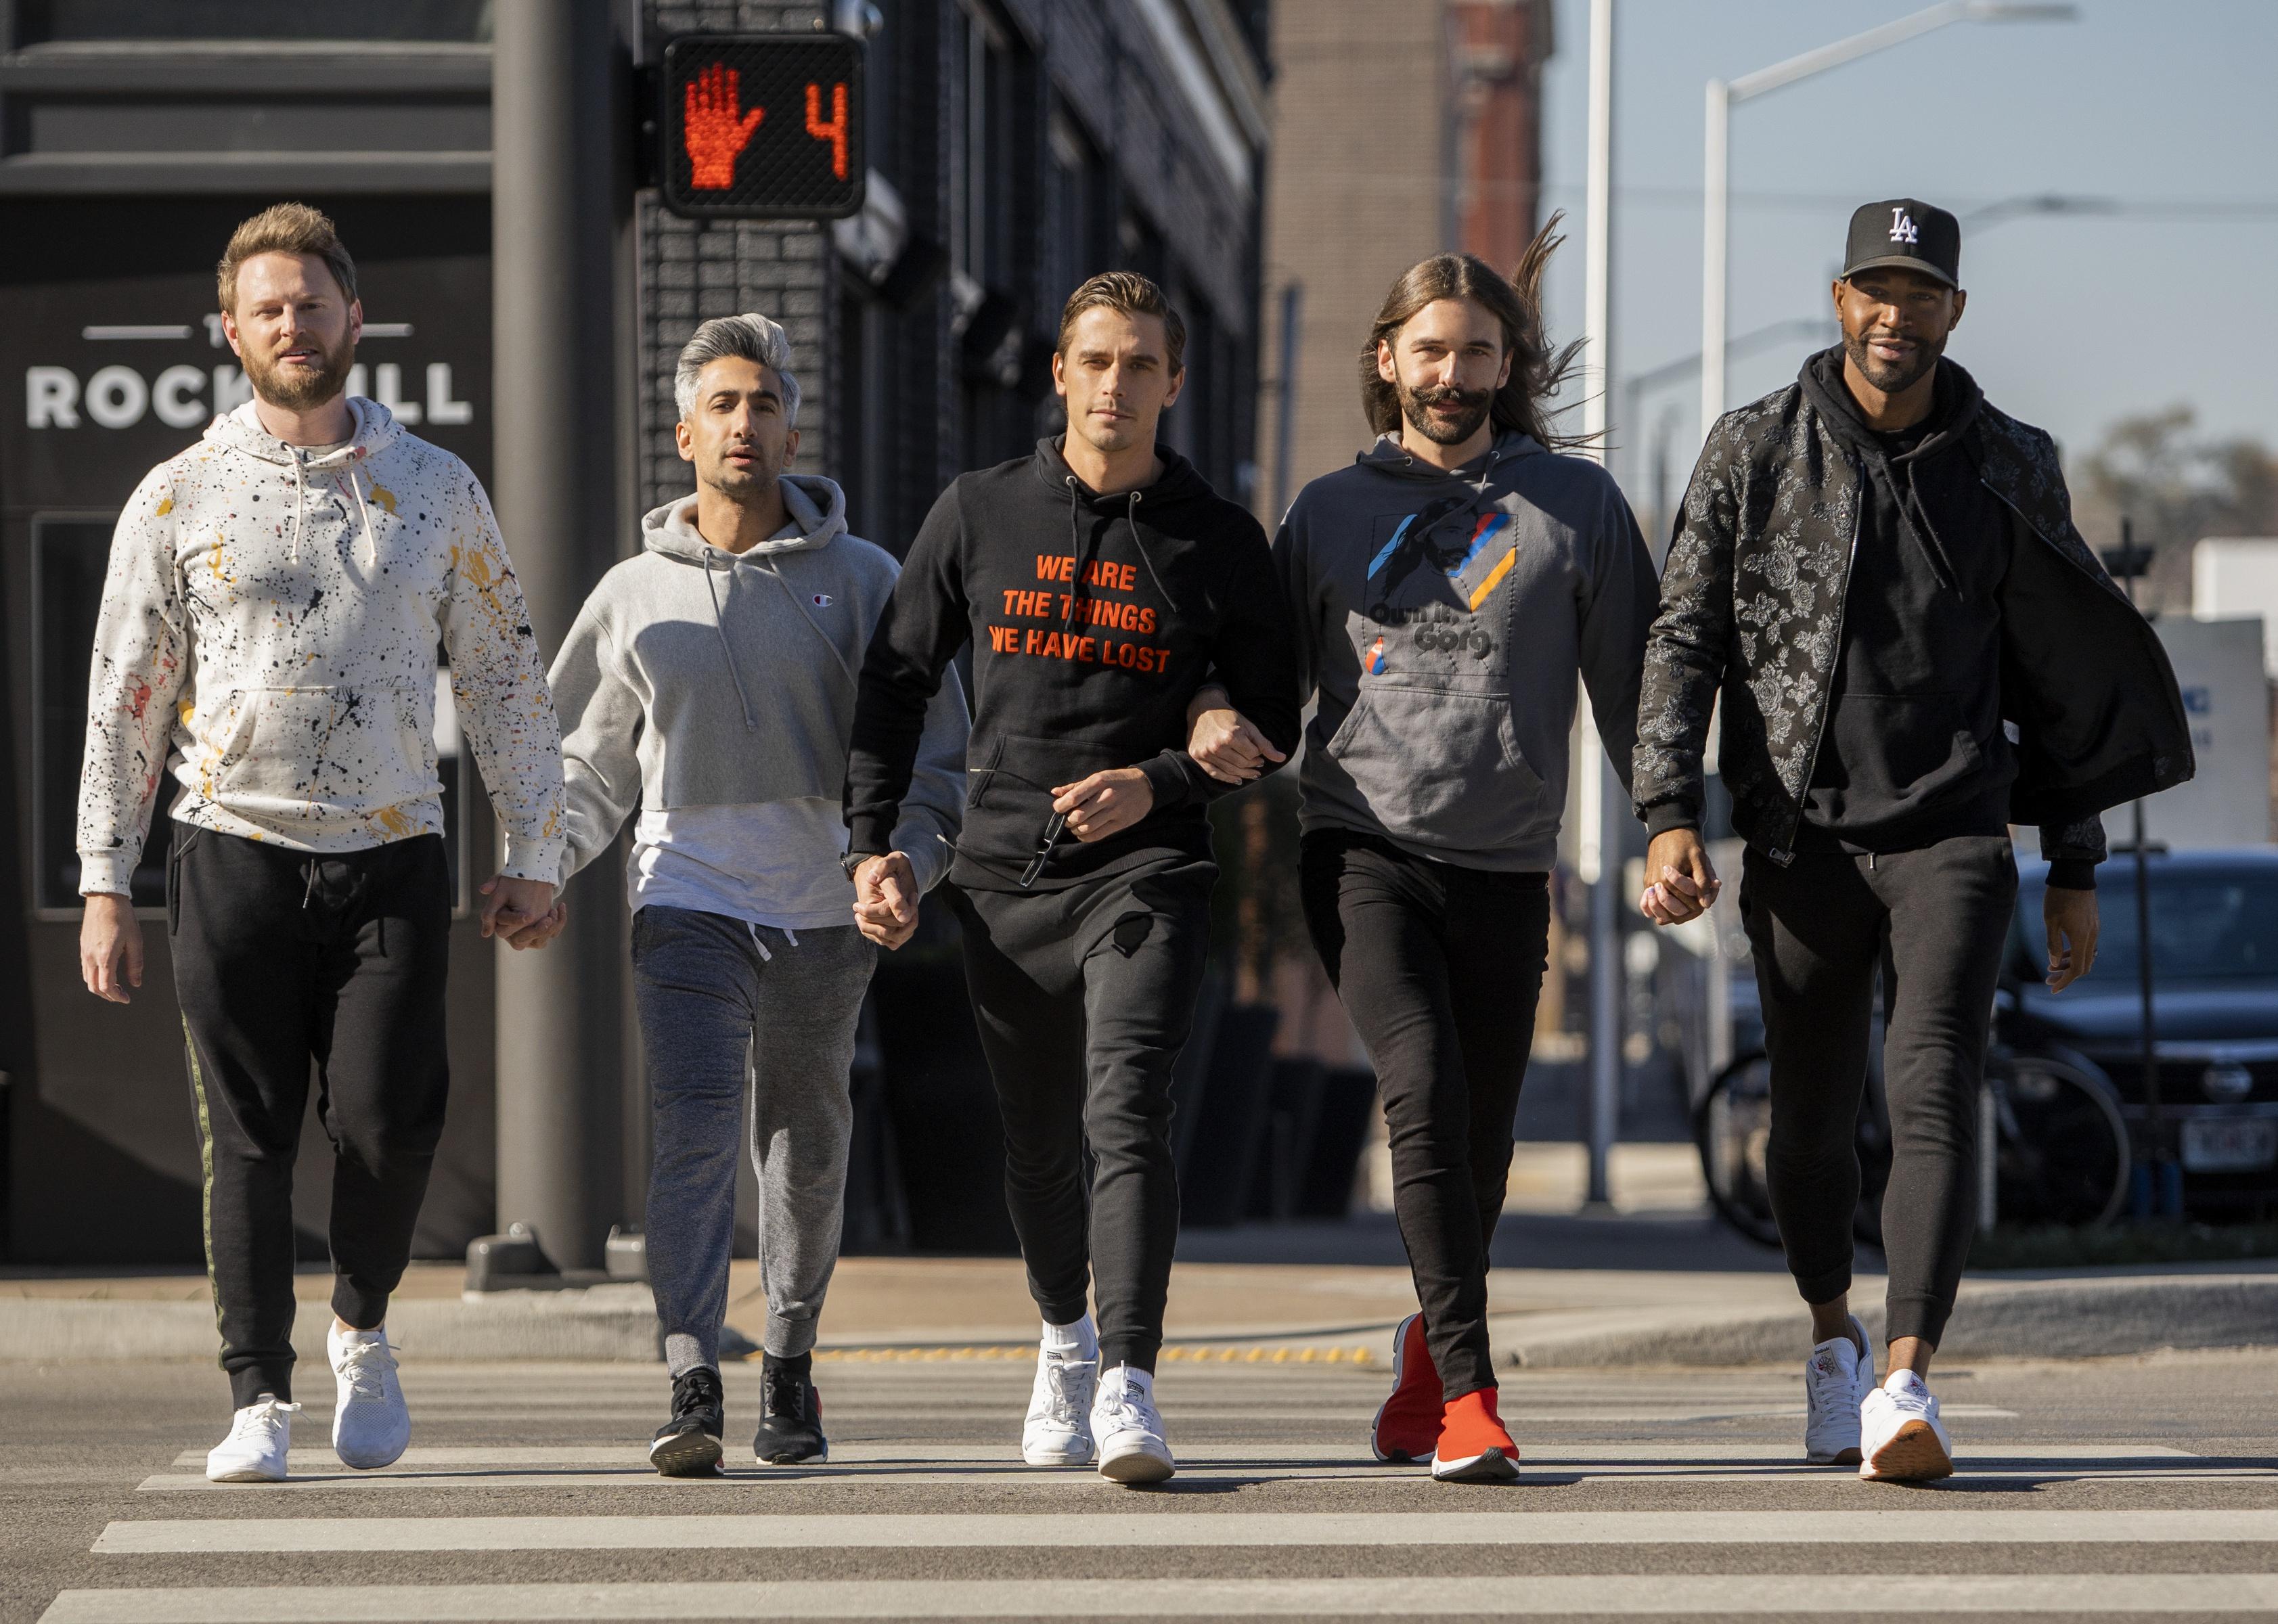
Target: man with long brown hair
[(1446, 588)]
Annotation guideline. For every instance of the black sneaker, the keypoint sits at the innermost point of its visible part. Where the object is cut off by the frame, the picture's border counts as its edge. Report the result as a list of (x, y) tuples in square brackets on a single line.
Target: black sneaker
[(791, 1413), (688, 1446)]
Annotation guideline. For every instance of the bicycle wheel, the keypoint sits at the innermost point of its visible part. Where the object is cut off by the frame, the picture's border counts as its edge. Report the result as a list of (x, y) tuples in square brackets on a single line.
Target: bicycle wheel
[(1730, 1127), (2062, 1153)]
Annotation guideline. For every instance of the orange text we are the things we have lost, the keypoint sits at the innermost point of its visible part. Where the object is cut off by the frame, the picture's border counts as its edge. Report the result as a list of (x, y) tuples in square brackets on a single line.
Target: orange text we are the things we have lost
[(1058, 605)]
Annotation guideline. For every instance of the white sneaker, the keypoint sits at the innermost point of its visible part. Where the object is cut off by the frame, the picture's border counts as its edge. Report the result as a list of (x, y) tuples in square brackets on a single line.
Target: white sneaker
[(370, 1424), (1837, 1379), (1058, 1432), (259, 1436), (1902, 1439), (1124, 1418)]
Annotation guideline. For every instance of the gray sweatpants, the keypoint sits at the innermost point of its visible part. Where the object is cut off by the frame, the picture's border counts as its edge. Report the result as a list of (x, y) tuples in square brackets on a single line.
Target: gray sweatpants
[(721, 1001)]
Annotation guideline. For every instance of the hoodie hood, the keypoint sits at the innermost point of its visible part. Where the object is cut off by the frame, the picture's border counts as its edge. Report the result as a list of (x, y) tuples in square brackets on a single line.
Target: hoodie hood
[(1179, 482), (1956, 401), (814, 510), (373, 430), (1394, 460)]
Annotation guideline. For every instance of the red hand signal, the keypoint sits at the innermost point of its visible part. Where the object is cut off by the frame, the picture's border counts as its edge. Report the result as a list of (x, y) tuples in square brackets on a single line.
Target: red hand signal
[(834, 131), (715, 130)]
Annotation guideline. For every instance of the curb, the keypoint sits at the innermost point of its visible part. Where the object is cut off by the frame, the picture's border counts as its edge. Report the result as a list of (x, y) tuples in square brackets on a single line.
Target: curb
[(559, 1325), (1994, 1319)]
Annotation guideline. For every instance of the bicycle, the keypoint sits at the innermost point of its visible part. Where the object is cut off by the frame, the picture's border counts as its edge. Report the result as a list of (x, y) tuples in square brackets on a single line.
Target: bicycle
[(2060, 1149)]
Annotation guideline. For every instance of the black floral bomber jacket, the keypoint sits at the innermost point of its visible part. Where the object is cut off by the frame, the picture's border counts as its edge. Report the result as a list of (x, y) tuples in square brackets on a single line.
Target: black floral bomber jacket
[(1752, 601)]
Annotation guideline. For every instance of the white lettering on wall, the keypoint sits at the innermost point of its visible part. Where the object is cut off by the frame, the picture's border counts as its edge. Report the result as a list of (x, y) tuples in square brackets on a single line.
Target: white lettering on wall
[(50, 398), (391, 393), (117, 397), (230, 389), (173, 397), (440, 407)]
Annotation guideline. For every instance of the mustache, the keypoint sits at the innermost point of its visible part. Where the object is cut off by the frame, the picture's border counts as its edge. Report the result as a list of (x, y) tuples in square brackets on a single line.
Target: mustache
[(1449, 394)]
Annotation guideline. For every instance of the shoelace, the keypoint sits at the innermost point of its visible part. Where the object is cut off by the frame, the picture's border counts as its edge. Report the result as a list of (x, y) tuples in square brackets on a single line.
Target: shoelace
[(365, 1367), (1062, 1379), (1126, 1406), (696, 1390), (785, 1395), (267, 1419)]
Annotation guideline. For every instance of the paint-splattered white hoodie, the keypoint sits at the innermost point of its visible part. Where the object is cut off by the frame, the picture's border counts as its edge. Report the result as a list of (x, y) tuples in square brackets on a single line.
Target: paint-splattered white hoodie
[(270, 625)]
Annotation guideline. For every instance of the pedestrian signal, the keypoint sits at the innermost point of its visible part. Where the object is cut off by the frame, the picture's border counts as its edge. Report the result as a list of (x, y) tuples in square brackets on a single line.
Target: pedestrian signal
[(761, 125)]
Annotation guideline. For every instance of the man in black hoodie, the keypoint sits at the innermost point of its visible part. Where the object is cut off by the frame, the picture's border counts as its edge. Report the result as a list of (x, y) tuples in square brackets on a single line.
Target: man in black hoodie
[(1879, 573), (1100, 582)]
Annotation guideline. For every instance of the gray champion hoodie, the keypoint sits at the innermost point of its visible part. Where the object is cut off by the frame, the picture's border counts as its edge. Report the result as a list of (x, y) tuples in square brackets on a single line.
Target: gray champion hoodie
[(698, 677), (1442, 617)]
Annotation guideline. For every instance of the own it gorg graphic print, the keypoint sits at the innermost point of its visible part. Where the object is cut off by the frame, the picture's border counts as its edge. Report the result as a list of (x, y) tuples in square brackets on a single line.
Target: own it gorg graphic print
[(1100, 625), (1429, 579)]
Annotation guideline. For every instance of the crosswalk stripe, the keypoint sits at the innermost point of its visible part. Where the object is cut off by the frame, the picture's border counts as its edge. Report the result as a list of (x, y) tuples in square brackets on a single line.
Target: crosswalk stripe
[(1225, 1475), (315, 1457), (1183, 1529), (2075, 1594)]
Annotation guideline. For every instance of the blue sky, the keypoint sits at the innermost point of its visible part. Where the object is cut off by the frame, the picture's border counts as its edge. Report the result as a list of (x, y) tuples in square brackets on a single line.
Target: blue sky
[(2164, 107)]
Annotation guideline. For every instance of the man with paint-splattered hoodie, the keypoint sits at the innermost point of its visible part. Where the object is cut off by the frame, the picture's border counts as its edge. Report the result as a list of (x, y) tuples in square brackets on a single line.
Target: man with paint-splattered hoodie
[(276, 600)]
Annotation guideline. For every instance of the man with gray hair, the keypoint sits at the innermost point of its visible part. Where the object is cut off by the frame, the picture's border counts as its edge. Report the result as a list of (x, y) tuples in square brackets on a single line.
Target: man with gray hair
[(709, 683)]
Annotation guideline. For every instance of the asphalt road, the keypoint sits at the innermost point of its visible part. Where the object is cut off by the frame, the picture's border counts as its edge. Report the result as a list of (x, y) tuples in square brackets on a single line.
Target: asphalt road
[(2125, 1488)]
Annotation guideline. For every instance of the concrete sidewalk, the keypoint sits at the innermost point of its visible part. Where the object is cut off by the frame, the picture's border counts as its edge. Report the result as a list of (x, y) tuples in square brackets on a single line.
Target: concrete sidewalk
[(1650, 1288)]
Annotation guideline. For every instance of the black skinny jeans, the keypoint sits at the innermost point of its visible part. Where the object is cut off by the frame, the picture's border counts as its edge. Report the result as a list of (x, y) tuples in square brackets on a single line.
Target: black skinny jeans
[(1440, 968), (1084, 997), (1818, 928), (281, 958)]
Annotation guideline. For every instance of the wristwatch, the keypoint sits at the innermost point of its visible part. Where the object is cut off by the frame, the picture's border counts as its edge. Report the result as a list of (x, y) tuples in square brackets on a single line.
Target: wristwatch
[(854, 860)]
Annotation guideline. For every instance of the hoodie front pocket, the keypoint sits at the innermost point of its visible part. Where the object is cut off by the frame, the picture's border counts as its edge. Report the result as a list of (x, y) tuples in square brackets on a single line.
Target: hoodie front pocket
[(1011, 802), (293, 753), (1442, 767)]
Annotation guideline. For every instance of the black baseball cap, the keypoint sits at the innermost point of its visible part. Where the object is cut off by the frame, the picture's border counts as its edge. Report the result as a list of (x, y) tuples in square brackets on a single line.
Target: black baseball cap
[(1907, 234)]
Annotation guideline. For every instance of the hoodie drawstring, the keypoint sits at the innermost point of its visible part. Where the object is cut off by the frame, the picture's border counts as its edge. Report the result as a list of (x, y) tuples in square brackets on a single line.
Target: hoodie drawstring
[(734, 675), (370, 541), (1075, 553), (1913, 512), (300, 509)]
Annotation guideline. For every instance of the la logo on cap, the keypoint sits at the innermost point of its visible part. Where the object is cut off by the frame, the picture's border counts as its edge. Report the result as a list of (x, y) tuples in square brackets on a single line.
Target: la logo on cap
[(1903, 227)]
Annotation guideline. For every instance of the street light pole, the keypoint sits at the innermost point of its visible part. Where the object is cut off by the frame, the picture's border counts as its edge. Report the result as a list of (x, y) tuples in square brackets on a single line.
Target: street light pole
[(554, 231), (1716, 192)]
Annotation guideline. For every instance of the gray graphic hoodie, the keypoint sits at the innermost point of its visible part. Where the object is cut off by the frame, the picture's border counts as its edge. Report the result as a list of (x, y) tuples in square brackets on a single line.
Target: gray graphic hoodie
[(270, 628), (1441, 617), (698, 677)]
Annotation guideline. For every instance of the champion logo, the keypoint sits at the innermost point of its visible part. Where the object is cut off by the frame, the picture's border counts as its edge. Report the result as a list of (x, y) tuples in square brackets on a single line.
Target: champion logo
[(823, 600), (1903, 227)]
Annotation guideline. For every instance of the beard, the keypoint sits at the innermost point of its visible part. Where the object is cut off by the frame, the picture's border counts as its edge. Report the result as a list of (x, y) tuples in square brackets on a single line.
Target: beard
[(1415, 405), (746, 484), (298, 389), (1893, 379)]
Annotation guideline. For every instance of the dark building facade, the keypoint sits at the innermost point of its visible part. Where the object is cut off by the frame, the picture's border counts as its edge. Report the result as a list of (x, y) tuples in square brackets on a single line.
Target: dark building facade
[(1015, 148)]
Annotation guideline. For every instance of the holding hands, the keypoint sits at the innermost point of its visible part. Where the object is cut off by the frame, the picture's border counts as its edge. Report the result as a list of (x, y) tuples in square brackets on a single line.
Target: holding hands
[(1681, 883)]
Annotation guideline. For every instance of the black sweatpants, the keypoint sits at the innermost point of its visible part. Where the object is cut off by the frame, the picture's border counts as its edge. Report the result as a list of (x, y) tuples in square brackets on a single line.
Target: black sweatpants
[(1818, 927), (1440, 968), (1084, 997), (282, 958)]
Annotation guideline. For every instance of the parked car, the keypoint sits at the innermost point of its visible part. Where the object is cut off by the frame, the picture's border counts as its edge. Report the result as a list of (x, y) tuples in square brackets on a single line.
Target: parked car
[(2214, 938)]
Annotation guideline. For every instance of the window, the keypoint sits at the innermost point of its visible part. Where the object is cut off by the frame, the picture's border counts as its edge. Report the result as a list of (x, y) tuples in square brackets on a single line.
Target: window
[(40, 22), (70, 554)]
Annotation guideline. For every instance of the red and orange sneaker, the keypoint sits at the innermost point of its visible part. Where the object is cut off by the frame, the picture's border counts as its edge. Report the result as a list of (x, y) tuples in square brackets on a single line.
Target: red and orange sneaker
[(1473, 1448), (1409, 1424)]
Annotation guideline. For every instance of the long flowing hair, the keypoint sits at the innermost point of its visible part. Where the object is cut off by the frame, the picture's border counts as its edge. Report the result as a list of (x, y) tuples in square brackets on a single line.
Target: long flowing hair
[(1537, 371)]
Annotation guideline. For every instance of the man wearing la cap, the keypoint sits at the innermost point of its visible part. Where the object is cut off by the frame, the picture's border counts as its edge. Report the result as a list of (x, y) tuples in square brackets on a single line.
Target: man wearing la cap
[(1879, 575)]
